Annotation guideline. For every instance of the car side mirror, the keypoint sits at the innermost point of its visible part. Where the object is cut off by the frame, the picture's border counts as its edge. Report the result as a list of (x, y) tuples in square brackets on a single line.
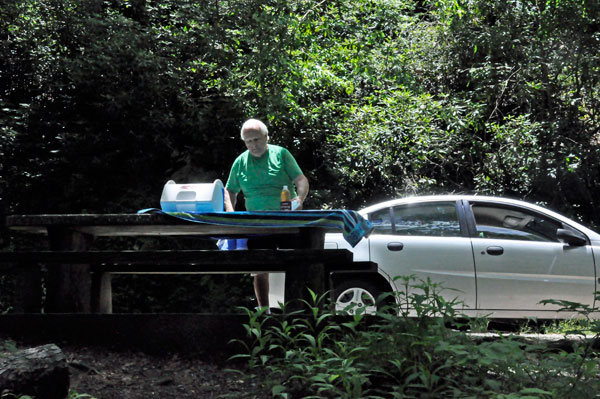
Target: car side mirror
[(570, 237)]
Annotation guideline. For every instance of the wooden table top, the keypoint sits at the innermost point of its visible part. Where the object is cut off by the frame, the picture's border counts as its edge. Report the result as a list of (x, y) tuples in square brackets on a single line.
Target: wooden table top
[(148, 224)]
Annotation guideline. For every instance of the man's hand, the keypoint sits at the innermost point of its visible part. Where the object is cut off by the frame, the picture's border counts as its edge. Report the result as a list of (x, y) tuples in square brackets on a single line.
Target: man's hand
[(302, 187), (230, 199)]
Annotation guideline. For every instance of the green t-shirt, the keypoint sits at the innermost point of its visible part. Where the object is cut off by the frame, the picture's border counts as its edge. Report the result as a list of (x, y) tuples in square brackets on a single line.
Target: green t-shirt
[(262, 179)]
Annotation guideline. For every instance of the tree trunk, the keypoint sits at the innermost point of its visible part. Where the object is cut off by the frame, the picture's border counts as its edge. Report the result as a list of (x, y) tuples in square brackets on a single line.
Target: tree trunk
[(41, 372)]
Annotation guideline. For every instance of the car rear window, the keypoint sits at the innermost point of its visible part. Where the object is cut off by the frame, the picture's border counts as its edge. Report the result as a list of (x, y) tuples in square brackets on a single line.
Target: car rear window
[(437, 219), (382, 221)]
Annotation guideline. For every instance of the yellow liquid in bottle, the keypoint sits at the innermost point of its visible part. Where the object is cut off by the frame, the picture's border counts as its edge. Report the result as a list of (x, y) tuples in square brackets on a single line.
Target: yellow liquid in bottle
[(286, 200)]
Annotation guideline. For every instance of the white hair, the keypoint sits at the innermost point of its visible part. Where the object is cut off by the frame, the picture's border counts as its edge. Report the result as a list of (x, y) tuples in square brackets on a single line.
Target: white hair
[(254, 124)]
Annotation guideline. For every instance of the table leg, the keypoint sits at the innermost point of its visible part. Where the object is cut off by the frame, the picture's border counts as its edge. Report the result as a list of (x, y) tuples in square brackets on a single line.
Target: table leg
[(68, 288), (101, 292), (311, 276), (28, 290)]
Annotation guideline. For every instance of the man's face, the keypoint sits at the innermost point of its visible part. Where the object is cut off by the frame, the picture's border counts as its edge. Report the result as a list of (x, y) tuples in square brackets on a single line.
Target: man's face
[(255, 142)]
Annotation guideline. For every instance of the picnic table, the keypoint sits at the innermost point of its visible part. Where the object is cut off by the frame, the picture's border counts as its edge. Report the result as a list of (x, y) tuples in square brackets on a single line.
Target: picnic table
[(79, 278)]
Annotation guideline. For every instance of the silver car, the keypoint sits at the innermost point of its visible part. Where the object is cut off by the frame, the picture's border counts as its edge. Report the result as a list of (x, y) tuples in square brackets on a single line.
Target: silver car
[(498, 257)]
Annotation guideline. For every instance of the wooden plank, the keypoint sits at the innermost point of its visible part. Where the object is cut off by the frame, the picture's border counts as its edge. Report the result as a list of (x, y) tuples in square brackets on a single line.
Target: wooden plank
[(113, 225), (90, 219), (168, 230), (179, 257), (190, 229), (237, 268)]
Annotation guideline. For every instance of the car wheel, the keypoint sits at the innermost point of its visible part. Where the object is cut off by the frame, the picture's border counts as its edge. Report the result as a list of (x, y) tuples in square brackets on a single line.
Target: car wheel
[(354, 296)]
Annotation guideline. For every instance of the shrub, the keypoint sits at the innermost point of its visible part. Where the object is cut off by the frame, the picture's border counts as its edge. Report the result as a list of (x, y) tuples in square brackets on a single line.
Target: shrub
[(400, 354)]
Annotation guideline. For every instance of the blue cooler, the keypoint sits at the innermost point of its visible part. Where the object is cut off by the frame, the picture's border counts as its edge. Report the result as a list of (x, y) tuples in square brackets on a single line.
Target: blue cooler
[(193, 197)]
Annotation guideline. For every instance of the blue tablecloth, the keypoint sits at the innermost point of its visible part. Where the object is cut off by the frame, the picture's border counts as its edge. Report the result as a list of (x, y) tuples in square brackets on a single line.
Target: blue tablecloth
[(352, 225)]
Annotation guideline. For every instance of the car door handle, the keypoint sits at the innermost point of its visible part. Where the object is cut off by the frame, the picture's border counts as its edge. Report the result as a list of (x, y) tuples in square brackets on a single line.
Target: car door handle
[(495, 251), (395, 246)]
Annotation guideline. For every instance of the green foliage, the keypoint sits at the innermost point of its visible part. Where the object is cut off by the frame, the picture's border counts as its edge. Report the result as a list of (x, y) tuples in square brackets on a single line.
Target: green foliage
[(8, 346), (584, 324), (75, 395), (9, 395), (113, 105), (109, 99), (577, 326), (415, 156), (403, 354), (528, 64)]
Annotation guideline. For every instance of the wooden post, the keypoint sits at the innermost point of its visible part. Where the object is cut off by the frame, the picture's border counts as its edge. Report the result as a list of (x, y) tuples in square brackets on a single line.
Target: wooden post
[(101, 292), (68, 289), (311, 276), (28, 289)]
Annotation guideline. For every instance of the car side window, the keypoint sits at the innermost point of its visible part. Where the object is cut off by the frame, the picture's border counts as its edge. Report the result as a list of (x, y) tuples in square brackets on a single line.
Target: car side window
[(513, 223), (438, 219), (382, 221)]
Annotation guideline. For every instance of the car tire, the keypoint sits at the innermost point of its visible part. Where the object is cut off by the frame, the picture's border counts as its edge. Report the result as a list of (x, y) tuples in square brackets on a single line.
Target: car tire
[(355, 296)]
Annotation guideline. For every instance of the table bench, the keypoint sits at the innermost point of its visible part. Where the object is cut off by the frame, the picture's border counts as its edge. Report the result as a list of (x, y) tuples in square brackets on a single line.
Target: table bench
[(80, 279)]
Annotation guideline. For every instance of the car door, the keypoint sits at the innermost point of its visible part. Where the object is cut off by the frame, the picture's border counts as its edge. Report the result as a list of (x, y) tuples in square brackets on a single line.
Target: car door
[(425, 240), (520, 261)]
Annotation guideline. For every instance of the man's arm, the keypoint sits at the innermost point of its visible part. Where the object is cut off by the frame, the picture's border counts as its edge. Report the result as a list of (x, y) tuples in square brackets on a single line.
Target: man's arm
[(230, 199), (301, 183)]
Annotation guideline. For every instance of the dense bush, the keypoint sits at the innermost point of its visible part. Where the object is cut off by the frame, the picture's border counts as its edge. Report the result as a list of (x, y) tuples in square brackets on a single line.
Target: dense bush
[(107, 100), (399, 354)]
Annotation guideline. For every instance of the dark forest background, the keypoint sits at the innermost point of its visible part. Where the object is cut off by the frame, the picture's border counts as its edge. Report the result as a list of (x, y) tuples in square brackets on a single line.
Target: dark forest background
[(102, 102)]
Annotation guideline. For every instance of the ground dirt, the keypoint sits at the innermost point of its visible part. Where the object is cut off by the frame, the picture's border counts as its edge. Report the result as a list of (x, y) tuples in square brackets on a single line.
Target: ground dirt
[(109, 374)]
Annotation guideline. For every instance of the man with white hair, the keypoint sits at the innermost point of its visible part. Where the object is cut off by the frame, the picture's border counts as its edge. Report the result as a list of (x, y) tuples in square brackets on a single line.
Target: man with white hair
[(260, 174)]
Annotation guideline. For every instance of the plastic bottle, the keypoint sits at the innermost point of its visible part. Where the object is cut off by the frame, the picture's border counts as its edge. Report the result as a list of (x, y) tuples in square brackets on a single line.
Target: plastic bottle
[(286, 199)]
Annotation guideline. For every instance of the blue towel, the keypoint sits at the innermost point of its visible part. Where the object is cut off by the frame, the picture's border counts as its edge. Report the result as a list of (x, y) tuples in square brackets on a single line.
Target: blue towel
[(350, 223)]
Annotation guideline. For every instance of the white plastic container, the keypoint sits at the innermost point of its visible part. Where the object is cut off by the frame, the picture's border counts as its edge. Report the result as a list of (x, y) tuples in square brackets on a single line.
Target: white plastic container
[(193, 197)]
